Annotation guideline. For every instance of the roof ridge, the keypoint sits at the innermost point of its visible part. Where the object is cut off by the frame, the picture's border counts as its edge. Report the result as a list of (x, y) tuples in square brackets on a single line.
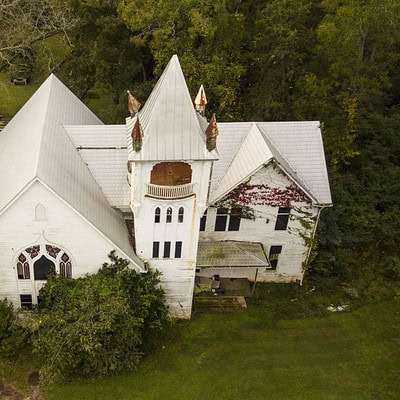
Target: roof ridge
[(297, 178)]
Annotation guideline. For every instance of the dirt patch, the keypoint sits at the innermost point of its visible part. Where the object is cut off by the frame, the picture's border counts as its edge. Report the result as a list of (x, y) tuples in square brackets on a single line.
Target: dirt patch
[(7, 392)]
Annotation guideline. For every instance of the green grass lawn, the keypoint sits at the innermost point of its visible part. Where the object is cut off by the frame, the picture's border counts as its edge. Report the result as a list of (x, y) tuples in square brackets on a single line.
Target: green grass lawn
[(258, 354)]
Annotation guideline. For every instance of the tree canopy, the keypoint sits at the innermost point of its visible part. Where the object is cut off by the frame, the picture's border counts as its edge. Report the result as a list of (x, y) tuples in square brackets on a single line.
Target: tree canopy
[(99, 324)]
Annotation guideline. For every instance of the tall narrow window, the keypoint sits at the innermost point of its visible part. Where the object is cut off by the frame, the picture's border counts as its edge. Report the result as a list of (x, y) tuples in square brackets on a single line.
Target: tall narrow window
[(157, 215), (274, 252), (167, 249), (282, 219), (156, 249), (23, 267), (221, 219), (169, 215), (180, 214), (234, 219), (178, 249), (203, 221)]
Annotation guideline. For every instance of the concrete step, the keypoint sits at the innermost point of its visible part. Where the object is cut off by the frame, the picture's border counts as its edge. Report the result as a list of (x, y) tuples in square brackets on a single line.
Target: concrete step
[(218, 303)]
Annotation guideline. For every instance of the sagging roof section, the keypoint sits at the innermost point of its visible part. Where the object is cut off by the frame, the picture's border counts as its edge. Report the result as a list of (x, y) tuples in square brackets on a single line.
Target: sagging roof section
[(230, 254), (170, 124), (35, 145)]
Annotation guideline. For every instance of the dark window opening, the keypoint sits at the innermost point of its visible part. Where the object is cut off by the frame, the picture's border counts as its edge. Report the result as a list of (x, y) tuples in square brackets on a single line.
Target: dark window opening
[(181, 212), (169, 215), (282, 219), (234, 220), (274, 252), (167, 249), (221, 219), (178, 249), (26, 300), (171, 174), (156, 249), (203, 221), (157, 215), (42, 268)]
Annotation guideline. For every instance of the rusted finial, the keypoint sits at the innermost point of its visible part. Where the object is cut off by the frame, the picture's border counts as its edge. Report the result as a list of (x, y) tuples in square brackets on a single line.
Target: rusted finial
[(212, 133), (201, 100), (133, 104), (137, 135)]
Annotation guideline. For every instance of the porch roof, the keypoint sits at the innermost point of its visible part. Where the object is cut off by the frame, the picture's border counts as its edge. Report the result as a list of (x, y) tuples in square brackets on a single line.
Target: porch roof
[(230, 254)]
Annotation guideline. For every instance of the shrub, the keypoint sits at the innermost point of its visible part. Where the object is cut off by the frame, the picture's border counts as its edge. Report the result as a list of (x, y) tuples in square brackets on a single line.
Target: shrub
[(12, 336), (99, 324)]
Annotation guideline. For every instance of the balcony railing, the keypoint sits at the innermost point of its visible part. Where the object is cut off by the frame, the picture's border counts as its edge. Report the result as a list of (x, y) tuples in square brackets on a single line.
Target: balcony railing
[(169, 192)]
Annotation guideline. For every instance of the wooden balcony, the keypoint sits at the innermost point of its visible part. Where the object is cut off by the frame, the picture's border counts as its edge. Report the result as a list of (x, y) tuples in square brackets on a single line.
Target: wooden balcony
[(169, 192)]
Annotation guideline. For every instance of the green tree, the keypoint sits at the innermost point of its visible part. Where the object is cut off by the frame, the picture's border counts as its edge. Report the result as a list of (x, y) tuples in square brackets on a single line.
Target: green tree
[(99, 324)]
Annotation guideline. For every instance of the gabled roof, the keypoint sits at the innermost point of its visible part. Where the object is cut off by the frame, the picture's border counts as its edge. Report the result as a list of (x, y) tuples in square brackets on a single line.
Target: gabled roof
[(296, 146), (35, 146), (171, 127)]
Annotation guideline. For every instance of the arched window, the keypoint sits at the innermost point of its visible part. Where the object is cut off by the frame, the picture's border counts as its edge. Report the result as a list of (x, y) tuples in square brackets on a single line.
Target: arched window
[(157, 215), (39, 260), (42, 268), (181, 211), (40, 212), (169, 215)]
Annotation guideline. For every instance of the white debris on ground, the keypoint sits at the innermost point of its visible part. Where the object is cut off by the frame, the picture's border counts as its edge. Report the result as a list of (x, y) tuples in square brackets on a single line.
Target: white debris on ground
[(332, 308)]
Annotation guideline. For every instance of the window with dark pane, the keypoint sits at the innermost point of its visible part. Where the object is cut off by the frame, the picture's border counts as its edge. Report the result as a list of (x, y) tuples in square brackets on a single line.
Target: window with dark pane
[(274, 252), (221, 219), (157, 215), (178, 249), (234, 219), (181, 212), (156, 249), (167, 249), (282, 219), (203, 221), (65, 266), (23, 270), (169, 215), (42, 268), (26, 300)]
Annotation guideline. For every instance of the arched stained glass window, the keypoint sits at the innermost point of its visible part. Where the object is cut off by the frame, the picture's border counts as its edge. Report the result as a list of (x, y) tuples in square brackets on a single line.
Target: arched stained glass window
[(39, 260)]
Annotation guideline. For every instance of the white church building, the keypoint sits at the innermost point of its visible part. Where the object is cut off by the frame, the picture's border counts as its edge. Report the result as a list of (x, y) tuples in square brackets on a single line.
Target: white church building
[(167, 190)]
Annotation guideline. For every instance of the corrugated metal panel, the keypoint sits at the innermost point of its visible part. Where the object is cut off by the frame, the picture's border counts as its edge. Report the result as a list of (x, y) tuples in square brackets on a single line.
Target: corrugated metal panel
[(300, 145), (230, 254), (96, 136), (171, 128), (108, 166)]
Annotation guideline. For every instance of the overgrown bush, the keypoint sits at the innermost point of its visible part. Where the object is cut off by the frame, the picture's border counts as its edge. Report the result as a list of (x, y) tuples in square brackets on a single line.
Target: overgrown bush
[(99, 324), (12, 336), (391, 267)]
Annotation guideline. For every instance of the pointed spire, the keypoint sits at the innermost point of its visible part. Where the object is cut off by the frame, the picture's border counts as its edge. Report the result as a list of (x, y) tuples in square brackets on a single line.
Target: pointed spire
[(212, 133), (137, 135), (201, 101), (133, 104)]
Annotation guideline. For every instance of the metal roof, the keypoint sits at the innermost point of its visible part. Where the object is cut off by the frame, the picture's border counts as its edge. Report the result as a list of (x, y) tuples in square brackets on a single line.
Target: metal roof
[(296, 146), (35, 146), (103, 149), (230, 254), (171, 127)]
